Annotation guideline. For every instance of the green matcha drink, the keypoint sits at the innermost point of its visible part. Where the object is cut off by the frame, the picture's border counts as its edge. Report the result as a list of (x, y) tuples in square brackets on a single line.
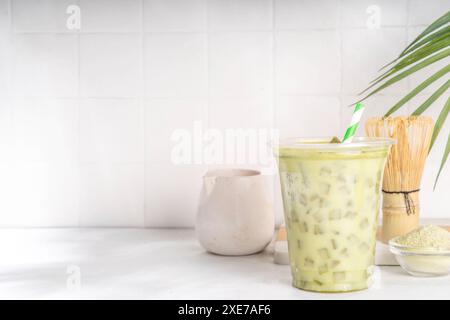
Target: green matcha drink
[(331, 202)]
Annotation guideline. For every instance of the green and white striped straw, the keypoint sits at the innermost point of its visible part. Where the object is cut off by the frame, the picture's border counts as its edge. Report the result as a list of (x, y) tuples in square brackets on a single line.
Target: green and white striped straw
[(356, 117)]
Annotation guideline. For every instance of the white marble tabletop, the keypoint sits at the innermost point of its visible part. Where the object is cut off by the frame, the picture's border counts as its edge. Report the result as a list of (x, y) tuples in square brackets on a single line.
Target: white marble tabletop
[(162, 264)]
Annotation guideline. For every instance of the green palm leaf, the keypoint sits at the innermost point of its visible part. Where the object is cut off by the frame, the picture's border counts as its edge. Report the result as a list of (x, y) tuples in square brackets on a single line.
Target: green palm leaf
[(424, 106), (418, 89), (432, 27), (444, 160), (404, 74), (440, 121), (432, 45), (420, 54), (440, 34)]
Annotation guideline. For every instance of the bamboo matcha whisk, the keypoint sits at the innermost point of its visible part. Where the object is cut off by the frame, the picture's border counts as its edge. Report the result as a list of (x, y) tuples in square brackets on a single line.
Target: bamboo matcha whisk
[(403, 171)]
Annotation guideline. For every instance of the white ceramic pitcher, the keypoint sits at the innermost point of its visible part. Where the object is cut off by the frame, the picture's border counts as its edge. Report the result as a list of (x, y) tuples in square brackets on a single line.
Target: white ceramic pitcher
[(236, 212)]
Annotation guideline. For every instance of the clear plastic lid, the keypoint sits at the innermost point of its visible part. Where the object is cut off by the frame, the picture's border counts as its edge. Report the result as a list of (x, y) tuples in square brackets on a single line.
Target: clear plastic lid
[(324, 143)]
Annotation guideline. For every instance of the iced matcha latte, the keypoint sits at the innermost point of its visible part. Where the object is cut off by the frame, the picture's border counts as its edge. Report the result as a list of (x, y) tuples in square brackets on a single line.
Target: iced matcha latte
[(331, 202)]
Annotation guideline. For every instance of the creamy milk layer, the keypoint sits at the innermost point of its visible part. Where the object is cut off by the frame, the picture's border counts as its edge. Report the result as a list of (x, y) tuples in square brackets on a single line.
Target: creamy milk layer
[(331, 204)]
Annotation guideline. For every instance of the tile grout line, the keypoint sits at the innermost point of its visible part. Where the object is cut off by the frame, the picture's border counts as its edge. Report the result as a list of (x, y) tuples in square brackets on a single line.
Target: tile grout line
[(11, 52), (207, 68), (407, 30), (206, 72), (10, 18), (178, 98), (9, 68), (277, 215), (9, 96), (79, 116), (274, 72), (144, 113), (341, 62), (276, 30)]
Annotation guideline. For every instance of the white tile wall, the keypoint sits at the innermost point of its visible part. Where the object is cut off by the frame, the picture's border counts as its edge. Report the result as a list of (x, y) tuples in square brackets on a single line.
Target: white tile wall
[(6, 130), (174, 15), (162, 118), (5, 61), (239, 15), (111, 16), (246, 113), (364, 52), (307, 62), (392, 12), (171, 191), (306, 14), (5, 46), (112, 195), (240, 64), (40, 15), (87, 116), (111, 130), (175, 65), (39, 194), (44, 65), (45, 130), (303, 116), (111, 65), (247, 119), (423, 12), (4, 15)]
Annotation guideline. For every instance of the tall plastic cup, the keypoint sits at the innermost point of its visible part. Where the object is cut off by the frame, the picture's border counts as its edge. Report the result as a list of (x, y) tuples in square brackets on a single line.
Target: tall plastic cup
[(331, 197)]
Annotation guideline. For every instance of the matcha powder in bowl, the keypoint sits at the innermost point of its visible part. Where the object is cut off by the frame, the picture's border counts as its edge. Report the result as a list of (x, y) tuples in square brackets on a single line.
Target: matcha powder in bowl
[(424, 251), (426, 237)]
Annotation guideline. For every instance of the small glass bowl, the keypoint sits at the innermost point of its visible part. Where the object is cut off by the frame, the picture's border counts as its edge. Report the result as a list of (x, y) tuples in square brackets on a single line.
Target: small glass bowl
[(421, 262)]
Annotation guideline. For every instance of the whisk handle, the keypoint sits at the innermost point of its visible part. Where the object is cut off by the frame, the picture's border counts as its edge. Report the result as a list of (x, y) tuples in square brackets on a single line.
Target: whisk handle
[(401, 212)]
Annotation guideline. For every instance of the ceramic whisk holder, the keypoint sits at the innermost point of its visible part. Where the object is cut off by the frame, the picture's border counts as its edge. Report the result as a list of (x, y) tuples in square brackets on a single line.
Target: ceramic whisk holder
[(236, 212)]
